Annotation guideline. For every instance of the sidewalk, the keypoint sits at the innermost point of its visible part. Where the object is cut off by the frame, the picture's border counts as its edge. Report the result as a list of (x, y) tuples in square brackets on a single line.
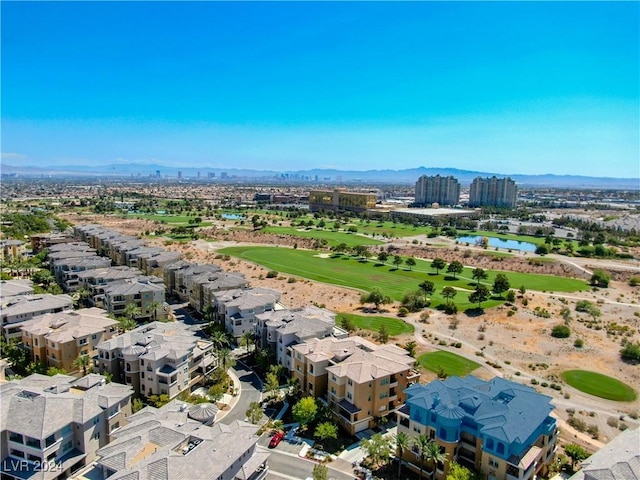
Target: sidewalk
[(230, 400)]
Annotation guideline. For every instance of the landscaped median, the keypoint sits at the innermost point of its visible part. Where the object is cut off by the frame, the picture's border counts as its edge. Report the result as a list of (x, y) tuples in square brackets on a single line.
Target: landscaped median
[(599, 385), (348, 271)]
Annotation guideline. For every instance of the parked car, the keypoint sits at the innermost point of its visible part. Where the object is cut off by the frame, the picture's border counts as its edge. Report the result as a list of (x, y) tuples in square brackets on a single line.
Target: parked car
[(276, 439)]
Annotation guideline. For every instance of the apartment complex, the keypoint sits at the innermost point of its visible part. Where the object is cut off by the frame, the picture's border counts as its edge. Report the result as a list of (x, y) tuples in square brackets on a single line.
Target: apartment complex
[(146, 293), (157, 358), (341, 200), (437, 189), (360, 380), (237, 309), (617, 460), (278, 330), (57, 339), (21, 308), (58, 421), (13, 288), (95, 281), (493, 192), (500, 428), (12, 249), (172, 442)]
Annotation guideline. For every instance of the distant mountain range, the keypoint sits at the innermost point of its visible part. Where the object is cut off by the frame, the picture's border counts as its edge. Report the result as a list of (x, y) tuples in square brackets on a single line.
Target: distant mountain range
[(405, 176)]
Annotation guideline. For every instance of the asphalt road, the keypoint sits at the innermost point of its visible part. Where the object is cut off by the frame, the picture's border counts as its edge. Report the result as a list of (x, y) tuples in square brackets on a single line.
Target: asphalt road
[(250, 391), (287, 467)]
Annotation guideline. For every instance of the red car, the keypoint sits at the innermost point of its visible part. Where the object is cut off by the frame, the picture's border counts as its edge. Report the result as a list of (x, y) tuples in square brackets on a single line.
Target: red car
[(276, 439)]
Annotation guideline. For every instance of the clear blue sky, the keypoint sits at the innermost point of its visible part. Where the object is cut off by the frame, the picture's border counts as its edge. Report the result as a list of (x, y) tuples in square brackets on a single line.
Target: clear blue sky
[(529, 87)]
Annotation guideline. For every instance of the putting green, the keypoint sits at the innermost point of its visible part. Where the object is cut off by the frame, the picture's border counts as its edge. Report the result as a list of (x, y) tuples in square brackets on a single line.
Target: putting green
[(599, 385), (448, 363), (395, 326)]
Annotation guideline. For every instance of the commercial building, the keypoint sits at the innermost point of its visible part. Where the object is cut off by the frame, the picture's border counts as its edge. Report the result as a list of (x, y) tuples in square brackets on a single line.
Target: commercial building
[(359, 380), (341, 200), (172, 442), (500, 428), (58, 339), (437, 189), (50, 427), (157, 358), (493, 192)]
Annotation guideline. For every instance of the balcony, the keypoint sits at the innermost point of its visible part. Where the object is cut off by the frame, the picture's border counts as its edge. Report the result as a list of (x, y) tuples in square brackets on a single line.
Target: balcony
[(404, 421)]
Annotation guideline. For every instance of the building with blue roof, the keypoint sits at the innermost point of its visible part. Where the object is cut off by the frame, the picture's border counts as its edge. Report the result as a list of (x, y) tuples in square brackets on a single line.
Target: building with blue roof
[(500, 428)]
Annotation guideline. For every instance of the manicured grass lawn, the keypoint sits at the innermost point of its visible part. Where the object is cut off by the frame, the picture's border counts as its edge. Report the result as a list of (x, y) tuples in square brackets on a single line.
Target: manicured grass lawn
[(332, 238), (599, 385), (349, 272), (395, 326), (169, 219), (447, 362)]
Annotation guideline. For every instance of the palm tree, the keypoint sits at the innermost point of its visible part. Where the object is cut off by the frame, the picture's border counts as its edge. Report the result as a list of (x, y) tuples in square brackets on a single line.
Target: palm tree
[(153, 307), (421, 444), (225, 357), (126, 324), (132, 311), (83, 361), (402, 443), (247, 338), (219, 339), (434, 455)]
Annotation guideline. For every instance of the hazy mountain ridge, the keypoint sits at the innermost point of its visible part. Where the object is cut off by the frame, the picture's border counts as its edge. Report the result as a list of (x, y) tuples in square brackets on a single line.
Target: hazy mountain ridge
[(403, 176)]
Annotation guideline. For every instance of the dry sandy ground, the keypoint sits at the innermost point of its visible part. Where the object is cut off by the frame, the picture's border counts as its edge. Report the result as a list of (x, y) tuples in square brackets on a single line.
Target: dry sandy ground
[(523, 340)]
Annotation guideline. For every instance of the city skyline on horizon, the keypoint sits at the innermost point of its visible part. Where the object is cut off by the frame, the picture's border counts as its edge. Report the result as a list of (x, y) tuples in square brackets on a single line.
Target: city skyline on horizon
[(530, 89)]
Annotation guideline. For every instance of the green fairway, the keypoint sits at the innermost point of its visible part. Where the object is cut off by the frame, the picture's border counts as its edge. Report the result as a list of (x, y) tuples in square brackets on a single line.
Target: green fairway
[(448, 363), (169, 219), (332, 238), (599, 385), (349, 272), (395, 326)]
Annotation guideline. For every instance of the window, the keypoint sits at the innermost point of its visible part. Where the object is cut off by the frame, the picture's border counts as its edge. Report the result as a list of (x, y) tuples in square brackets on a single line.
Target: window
[(349, 396), (50, 440), (384, 381), (35, 342), (15, 437), (384, 395), (33, 442), (96, 436), (83, 341), (17, 453), (489, 444), (350, 382), (493, 463), (310, 368), (67, 446), (500, 448), (66, 431), (34, 458), (96, 420), (94, 337)]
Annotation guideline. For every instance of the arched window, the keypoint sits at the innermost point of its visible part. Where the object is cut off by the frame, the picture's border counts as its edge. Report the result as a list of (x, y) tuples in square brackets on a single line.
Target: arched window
[(489, 444), (500, 448)]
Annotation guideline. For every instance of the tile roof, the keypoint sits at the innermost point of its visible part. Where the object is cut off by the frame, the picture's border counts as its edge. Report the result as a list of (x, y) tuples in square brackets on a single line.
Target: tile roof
[(26, 304), (67, 326)]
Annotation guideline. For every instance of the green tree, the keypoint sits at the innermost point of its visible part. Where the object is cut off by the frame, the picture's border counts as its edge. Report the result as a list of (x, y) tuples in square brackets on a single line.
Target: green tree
[(51, 371), (82, 362), (383, 256), (383, 333), (348, 324), (511, 296), (455, 268), (224, 356), (420, 444), (479, 295), (219, 340), (376, 297), (246, 339), (325, 431), (125, 324), (458, 472), (402, 443), (159, 400), (152, 308), (576, 453), (378, 448), (136, 405), (305, 411), (427, 287), (397, 261), (631, 352), (271, 384), (501, 284), (448, 293), (478, 274), (438, 264), (434, 455), (254, 413), (410, 262), (410, 347), (131, 311), (217, 391), (600, 278), (320, 472)]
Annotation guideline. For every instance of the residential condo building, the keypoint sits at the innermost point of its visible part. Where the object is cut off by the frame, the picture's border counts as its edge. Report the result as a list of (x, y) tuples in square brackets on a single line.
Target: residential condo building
[(437, 189), (493, 192), (25, 307), (500, 428)]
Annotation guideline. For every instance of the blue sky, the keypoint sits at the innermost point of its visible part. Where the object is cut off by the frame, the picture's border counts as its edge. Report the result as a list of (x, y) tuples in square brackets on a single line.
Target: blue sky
[(534, 87)]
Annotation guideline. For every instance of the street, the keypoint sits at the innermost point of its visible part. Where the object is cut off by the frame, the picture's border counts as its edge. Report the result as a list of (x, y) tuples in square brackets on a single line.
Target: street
[(250, 391)]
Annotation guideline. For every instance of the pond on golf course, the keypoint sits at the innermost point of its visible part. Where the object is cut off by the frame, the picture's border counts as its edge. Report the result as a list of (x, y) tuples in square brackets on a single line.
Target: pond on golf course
[(500, 243)]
